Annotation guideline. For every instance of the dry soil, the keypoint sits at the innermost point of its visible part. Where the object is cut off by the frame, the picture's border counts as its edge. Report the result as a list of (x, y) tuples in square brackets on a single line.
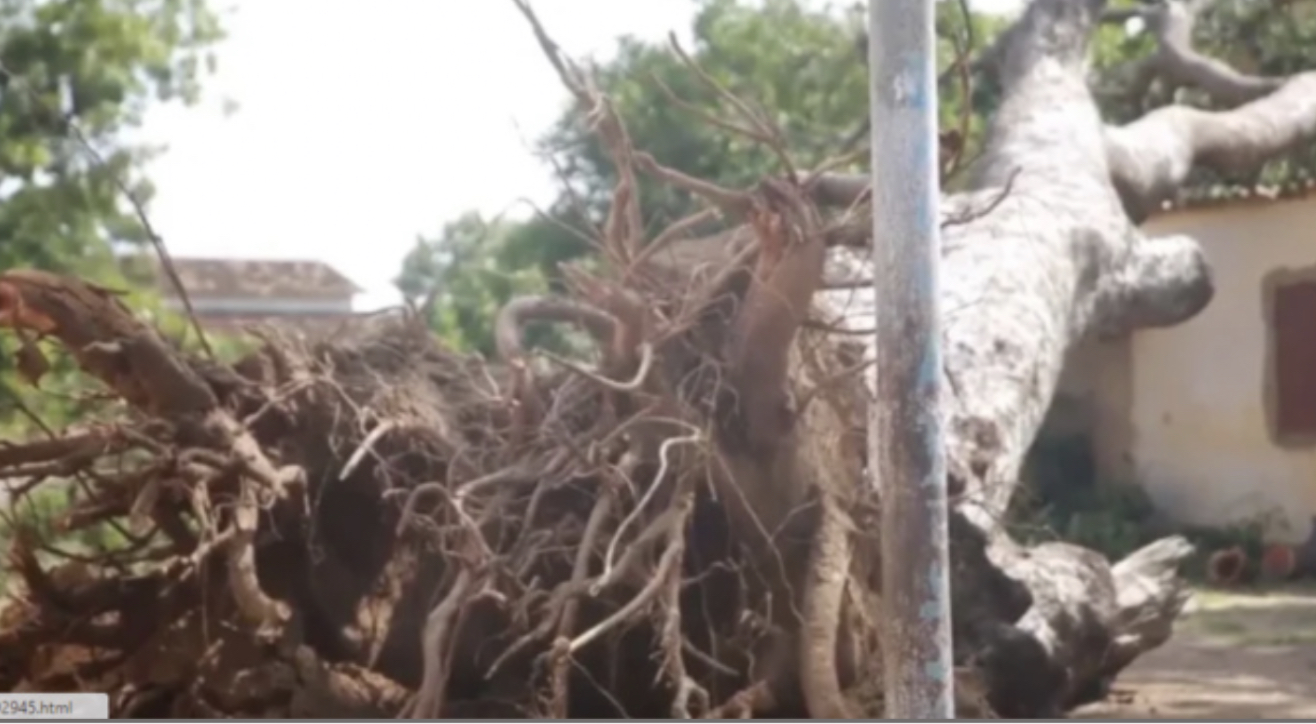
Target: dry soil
[(1235, 655)]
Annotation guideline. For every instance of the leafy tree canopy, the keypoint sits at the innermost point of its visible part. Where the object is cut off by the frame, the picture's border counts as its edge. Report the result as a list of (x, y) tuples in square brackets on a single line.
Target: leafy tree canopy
[(799, 62), (802, 64), (79, 74), (1274, 39)]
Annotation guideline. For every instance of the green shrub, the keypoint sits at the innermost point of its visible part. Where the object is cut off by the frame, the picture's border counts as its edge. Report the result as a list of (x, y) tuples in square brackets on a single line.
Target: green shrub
[(1062, 499)]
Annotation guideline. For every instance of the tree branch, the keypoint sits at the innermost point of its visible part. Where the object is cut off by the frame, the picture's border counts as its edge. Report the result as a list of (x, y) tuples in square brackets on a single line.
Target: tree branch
[(1177, 63), (1151, 158)]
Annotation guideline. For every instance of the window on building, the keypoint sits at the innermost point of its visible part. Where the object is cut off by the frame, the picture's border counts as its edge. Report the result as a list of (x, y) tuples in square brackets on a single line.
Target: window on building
[(1293, 329)]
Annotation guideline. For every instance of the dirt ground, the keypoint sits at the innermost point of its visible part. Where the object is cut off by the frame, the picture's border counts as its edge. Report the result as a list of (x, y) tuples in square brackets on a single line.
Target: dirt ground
[(1234, 656)]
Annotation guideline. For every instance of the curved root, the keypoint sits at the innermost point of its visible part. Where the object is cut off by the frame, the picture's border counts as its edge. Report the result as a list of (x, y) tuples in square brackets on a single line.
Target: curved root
[(823, 596)]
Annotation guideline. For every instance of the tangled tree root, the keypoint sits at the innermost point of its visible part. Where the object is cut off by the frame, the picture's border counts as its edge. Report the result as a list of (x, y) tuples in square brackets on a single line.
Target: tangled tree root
[(376, 526)]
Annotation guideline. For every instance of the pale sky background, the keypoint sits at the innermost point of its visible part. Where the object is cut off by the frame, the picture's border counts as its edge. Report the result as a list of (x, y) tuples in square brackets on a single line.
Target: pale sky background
[(363, 125)]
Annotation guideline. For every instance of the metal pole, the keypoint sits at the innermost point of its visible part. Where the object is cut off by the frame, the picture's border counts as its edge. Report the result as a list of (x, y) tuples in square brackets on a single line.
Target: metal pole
[(908, 454)]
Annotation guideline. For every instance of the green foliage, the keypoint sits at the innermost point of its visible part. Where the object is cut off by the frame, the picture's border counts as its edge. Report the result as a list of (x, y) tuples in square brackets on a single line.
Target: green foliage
[(1115, 82), (1113, 518), (474, 267), (798, 63), (1061, 499), (39, 513), (1248, 535), (96, 65), (1273, 39), (78, 75), (799, 66)]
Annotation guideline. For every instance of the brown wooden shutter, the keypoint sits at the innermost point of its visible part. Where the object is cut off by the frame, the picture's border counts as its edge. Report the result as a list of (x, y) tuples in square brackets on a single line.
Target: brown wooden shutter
[(1294, 329)]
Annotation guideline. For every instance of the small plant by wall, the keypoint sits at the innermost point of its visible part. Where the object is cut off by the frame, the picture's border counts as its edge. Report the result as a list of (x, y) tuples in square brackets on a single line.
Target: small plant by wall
[(1063, 499)]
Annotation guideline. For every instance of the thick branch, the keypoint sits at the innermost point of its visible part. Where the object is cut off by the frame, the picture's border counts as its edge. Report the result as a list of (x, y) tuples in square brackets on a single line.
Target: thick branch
[(105, 338), (84, 446), (1165, 281), (1151, 595), (787, 273), (522, 310), (1152, 157), (1175, 61), (129, 357)]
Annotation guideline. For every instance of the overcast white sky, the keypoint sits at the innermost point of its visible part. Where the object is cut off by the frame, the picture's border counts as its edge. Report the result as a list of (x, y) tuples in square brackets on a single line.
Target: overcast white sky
[(362, 126)]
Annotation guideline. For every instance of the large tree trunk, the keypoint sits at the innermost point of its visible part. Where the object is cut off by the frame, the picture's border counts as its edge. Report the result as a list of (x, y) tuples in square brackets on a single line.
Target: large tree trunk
[(1040, 253)]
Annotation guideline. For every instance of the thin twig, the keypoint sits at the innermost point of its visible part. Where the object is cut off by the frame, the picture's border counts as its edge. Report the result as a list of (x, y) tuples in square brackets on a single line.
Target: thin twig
[(831, 381), (664, 462), (766, 131), (669, 235), (567, 624), (734, 203), (646, 364), (365, 447), (670, 559), (977, 213), (428, 703)]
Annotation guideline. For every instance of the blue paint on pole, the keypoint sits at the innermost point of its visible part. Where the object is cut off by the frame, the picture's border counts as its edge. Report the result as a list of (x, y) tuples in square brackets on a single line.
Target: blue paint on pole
[(908, 451), (937, 672)]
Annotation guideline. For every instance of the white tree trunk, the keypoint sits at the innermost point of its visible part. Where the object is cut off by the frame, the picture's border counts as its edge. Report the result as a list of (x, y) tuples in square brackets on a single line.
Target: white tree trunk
[(1055, 260)]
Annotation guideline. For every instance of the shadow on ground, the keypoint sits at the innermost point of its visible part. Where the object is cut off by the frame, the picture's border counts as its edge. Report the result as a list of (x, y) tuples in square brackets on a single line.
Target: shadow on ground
[(1234, 656)]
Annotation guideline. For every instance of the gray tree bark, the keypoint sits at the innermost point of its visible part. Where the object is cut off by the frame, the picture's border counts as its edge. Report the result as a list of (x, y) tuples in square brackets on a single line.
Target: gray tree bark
[(1058, 258), (1151, 157)]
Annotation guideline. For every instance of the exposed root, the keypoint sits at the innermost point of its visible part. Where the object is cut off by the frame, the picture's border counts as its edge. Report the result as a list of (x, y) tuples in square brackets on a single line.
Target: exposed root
[(480, 536), (744, 703), (671, 633), (267, 614), (428, 703), (561, 657), (823, 598), (405, 531)]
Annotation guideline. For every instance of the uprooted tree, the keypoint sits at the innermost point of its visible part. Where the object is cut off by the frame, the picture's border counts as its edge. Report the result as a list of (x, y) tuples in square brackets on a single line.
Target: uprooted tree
[(374, 525)]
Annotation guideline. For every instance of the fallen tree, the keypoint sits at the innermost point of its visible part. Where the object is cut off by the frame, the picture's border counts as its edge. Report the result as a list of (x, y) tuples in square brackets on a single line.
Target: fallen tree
[(1020, 292), (374, 525)]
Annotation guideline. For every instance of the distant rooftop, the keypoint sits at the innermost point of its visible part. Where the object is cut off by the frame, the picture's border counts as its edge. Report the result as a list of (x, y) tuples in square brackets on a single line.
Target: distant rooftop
[(253, 278)]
